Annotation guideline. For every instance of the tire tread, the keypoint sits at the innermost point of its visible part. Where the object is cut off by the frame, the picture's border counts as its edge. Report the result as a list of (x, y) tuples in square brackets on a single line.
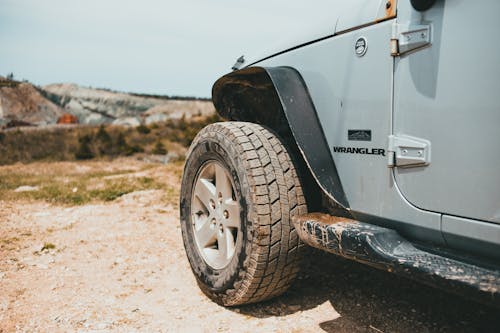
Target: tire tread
[(276, 195)]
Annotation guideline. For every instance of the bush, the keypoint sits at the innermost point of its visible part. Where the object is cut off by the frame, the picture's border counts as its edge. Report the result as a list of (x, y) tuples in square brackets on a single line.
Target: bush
[(84, 151), (121, 144), (143, 129), (85, 142), (159, 149), (134, 149), (103, 141), (102, 135)]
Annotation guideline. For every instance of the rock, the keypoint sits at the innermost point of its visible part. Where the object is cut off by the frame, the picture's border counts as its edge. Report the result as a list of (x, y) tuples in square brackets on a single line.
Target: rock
[(95, 119), (155, 118), (294, 308), (128, 121), (26, 188)]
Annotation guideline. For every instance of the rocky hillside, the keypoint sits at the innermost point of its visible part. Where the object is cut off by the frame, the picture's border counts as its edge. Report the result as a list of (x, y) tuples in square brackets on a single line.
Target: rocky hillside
[(97, 106), (23, 103)]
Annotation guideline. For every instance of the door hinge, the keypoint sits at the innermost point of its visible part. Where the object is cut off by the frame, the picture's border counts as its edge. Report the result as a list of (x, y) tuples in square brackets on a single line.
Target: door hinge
[(408, 151), (409, 37)]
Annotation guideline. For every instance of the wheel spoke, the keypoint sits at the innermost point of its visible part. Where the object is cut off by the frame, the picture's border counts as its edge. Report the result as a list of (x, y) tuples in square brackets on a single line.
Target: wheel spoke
[(222, 183), (205, 233), (205, 191), (199, 208), (222, 241)]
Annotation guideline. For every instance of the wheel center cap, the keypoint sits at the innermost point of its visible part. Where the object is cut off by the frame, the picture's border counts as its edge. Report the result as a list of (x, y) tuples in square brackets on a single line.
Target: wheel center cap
[(219, 216)]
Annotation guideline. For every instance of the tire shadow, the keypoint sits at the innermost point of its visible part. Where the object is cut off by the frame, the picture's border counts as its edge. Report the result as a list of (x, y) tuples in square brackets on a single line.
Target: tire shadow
[(370, 300)]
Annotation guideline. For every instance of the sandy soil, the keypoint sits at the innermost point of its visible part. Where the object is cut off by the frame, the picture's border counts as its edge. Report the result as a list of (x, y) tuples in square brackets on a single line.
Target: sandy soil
[(121, 267)]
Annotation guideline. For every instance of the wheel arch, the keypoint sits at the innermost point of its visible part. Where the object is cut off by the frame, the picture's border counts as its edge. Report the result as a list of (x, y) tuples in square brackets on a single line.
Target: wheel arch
[(277, 97)]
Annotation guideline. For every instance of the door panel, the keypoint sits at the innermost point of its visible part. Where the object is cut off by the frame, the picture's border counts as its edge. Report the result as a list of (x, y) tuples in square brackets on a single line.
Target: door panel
[(449, 94)]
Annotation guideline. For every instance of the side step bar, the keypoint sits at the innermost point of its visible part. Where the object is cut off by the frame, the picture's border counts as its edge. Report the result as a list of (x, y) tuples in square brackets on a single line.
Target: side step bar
[(387, 250)]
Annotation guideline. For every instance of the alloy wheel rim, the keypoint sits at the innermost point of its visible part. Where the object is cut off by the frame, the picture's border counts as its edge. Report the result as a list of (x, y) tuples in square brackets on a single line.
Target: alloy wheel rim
[(215, 215)]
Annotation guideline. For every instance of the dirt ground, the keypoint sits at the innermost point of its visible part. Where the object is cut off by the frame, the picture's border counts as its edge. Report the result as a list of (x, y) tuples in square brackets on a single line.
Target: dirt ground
[(120, 266)]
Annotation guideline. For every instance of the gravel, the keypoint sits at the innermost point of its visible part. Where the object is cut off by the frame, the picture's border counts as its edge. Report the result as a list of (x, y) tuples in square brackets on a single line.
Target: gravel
[(121, 267)]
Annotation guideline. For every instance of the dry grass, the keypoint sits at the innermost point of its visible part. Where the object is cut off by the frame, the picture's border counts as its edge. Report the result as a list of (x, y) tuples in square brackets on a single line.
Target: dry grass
[(77, 183)]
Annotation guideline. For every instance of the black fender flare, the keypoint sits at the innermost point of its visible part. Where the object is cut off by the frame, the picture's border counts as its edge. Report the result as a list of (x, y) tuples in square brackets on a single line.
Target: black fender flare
[(277, 97)]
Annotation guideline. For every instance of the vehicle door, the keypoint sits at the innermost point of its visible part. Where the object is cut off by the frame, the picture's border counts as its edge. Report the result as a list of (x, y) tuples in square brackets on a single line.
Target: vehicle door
[(446, 113)]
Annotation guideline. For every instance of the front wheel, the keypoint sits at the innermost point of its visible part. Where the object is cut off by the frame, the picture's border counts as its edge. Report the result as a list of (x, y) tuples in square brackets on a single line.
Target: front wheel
[(239, 192)]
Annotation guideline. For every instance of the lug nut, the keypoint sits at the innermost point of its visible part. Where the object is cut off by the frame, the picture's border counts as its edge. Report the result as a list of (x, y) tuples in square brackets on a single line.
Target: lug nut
[(221, 228), (226, 214), (212, 204), (220, 197)]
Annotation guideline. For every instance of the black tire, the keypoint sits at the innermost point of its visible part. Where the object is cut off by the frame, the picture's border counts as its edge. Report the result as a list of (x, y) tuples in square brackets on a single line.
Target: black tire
[(267, 249)]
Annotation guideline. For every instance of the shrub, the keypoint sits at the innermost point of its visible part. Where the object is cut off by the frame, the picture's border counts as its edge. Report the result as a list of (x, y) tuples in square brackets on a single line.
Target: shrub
[(84, 151), (159, 148), (104, 142), (132, 149), (85, 142), (102, 135), (143, 129)]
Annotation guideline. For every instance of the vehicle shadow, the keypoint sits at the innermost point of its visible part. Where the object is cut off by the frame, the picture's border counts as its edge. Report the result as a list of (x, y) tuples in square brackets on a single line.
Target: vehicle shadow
[(370, 300)]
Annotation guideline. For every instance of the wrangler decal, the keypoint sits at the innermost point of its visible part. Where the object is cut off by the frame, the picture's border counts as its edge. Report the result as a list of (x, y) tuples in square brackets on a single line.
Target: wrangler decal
[(357, 150)]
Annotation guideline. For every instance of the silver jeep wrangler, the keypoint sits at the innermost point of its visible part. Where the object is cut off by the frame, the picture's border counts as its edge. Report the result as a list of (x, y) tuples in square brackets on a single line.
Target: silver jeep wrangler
[(374, 136)]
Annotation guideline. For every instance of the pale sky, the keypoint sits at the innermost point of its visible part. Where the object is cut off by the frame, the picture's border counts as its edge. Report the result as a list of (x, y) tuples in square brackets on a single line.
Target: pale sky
[(172, 47)]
